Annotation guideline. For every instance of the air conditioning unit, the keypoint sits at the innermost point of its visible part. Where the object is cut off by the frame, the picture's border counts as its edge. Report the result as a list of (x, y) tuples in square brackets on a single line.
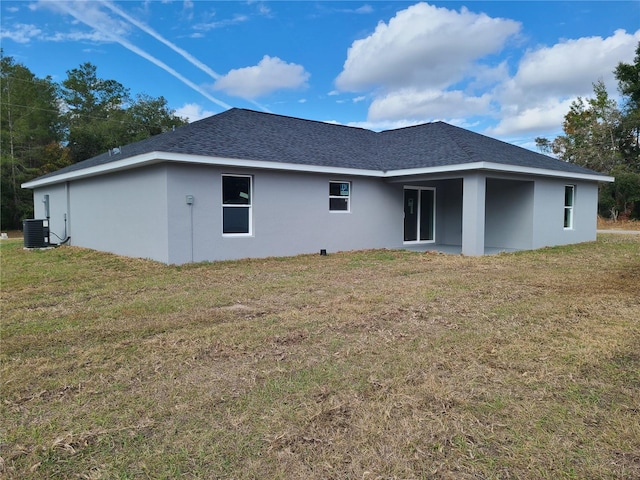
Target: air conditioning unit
[(36, 233)]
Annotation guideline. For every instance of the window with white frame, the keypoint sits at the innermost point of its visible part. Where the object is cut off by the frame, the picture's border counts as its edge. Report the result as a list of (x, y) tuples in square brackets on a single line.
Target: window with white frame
[(339, 196), (569, 198), (236, 205)]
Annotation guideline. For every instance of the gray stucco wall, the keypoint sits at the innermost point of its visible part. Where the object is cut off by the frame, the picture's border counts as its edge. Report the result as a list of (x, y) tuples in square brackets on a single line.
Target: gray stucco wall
[(57, 210), (123, 213), (509, 214), (143, 213), (290, 215), (548, 215)]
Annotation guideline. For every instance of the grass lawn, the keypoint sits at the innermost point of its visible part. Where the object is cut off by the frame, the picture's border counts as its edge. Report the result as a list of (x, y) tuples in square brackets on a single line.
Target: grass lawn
[(363, 365)]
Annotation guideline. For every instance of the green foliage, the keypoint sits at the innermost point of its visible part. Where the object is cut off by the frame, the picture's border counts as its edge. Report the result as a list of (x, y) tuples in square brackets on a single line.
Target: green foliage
[(29, 119), (544, 145), (102, 115), (148, 116), (621, 196), (45, 126), (628, 77), (591, 132), (86, 94), (605, 137)]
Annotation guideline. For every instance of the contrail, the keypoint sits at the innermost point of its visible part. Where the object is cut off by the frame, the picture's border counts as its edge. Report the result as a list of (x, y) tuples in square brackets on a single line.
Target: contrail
[(161, 39), (143, 54), (186, 55)]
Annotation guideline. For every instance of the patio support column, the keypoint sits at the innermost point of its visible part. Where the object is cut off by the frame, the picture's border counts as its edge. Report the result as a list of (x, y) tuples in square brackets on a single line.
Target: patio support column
[(473, 212)]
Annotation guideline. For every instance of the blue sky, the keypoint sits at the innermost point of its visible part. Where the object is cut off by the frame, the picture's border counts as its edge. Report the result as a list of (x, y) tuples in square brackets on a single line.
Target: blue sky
[(509, 69)]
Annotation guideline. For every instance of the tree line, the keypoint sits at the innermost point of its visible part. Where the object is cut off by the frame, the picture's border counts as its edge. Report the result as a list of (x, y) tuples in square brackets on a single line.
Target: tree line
[(603, 135), (45, 126)]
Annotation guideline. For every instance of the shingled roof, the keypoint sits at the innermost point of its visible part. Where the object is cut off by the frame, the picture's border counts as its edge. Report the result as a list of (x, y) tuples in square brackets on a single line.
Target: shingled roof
[(249, 135)]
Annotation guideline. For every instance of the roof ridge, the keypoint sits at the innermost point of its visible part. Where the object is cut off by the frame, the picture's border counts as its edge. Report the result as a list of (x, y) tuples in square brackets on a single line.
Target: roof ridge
[(463, 146), (319, 122)]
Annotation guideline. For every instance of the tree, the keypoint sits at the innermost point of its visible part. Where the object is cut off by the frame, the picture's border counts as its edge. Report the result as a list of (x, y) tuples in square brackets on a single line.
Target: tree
[(86, 94), (102, 115), (149, 116), (628, 76), (94, 112), (621, 197), (36, 137), (603, 136), (544, 145), (591, 130), (29, 120)]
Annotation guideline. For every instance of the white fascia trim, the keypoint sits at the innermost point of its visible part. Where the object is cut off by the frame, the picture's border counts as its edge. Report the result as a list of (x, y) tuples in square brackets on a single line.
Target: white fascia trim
[(131, 162), (160, 157), (498, 167), (263, 165)]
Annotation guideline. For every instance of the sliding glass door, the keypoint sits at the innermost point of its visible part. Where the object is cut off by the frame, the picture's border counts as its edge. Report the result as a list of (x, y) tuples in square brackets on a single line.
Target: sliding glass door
[(419, 214)]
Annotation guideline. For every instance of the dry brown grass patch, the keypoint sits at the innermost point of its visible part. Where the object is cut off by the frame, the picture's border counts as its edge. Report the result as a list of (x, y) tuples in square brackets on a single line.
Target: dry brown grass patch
[(376, 364)]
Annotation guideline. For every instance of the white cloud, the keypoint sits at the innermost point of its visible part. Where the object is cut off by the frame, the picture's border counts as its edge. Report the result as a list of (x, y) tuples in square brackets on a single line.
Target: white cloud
[(364, 9), (264, 10), (384, 125), (205, 27), (485, 76), (548, 79), (79, 36), (394, 125), (21, 33), (545, 117), (261, 8), (569, 68), (90, 14), (269, 75), (193, 112), (423, 105), (423, 45), (378, 126), (429, 63)]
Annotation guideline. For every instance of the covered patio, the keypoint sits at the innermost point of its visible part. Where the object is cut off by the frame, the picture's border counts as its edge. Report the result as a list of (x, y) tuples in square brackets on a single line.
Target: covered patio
[(479, 213)]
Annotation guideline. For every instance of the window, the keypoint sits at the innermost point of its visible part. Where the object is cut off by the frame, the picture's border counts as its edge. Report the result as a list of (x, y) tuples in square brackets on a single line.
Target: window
[(569, 197), (236, 205), (339, 196)]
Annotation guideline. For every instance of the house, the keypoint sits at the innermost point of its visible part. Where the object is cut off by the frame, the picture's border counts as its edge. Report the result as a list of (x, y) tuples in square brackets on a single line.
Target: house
[(251, 184)]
